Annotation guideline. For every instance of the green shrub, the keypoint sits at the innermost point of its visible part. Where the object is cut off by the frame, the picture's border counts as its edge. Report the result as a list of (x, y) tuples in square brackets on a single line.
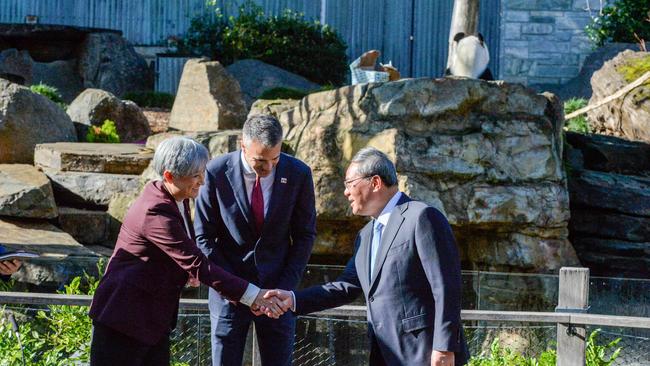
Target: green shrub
[(578, 124), (59, 336), (620, 21), (283, 93), (304, 47), (50, 93), (106, 133), (151, 99), (595, 355), (291, 93)]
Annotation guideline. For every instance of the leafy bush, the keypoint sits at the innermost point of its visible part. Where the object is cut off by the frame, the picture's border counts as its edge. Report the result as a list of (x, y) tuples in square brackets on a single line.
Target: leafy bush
[(595, 355), (291, 93), (50, 93), (106, 133), (578, 124), (151, 99), (620, 21), (59, 336), (307, 48)]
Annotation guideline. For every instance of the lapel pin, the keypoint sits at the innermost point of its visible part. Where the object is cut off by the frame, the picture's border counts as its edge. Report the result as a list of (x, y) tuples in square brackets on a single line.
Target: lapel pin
[(283, 180)]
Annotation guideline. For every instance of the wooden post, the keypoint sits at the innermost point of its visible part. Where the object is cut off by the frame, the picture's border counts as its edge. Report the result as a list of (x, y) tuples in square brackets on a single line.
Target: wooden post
[(464, 18), (573, 297)]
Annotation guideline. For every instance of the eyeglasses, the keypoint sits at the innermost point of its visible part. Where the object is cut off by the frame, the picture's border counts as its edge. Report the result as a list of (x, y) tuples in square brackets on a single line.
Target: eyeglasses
[(348, 183)]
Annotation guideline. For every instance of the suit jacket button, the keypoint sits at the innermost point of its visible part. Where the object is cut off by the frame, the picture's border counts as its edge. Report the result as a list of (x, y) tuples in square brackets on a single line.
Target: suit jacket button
[(371, 299)]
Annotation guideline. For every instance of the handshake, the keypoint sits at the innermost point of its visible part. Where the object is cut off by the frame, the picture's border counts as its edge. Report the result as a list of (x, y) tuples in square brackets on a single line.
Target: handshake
[(272, 303)]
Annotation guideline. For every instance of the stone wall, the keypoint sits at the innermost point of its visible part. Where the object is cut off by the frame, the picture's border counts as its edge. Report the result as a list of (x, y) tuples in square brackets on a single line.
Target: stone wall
[(543, 41), (488, 155)]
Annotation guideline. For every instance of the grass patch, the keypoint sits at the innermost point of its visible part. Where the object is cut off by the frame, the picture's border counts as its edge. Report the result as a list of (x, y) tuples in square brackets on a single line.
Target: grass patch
[(578, 124)]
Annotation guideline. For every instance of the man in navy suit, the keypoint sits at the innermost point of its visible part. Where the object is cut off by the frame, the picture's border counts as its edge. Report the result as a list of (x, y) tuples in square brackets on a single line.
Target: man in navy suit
[(406, 263), (255, 217)]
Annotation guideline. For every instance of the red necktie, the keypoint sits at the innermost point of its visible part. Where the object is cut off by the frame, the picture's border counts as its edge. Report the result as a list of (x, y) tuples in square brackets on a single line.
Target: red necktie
[(257, 205)]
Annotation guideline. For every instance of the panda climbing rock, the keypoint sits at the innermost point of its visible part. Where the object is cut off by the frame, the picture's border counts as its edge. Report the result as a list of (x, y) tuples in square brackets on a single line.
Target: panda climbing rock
[(470, 57)]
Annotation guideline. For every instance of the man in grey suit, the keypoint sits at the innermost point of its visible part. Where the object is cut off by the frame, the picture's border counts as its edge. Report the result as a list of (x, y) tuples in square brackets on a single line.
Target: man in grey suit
[(406, 263)]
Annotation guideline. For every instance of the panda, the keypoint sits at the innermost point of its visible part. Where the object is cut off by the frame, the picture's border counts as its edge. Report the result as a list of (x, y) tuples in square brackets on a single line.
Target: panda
[(470, 57)]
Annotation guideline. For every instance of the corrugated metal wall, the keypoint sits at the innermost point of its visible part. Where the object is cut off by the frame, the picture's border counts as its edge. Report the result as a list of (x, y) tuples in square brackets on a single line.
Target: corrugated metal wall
[(386, 25), (168, 73)]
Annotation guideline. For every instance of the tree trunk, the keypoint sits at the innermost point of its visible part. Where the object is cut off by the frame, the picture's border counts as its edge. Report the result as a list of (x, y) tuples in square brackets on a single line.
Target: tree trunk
[(464, 19)]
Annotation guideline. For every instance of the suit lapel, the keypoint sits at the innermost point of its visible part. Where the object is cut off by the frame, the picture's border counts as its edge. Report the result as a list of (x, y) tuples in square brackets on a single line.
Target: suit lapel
[(363, 257), (279, 189), (236, 178), (388, 237)]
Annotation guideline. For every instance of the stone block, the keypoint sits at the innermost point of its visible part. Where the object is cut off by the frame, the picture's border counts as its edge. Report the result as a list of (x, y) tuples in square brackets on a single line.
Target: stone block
[(512, 31), (538, 4), (41, 237), (543, 19), (85, 226), (516, 16), (555, 71), (549, 46), (92, 190), (25, 192), (573, 21), (208, 99), (93, 157), (536, 28), (518, 52)]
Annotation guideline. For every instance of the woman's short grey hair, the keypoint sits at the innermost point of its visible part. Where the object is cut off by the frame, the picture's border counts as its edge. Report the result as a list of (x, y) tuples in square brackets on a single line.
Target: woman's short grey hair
[(370, 162), (182, 156), (262, 128)]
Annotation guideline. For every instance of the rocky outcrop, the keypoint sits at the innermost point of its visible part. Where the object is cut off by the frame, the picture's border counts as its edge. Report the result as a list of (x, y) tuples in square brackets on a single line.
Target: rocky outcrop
[(255, 77), (217, 143), (274, 107), (609, 188), (106, 61), (94, 106), (208, 99), (16, 66), (88, 190), (25, 192), (93, 157), (628, 116), (488, 155), (28, 119), (74, 58), (85, 226)]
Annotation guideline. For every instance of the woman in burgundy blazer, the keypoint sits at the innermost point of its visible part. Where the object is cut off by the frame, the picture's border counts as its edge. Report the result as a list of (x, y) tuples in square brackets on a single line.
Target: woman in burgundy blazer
[(135, 306)]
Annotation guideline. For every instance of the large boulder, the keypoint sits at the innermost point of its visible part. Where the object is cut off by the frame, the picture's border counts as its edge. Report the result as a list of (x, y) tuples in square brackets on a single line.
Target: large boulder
[(61, 74), (628, 116), (610, 214), (89, 190), (488, 155), (16, 66), (93, 106), (106, 61), (208, 99), (25, 192), (255, 77), (28, 119)]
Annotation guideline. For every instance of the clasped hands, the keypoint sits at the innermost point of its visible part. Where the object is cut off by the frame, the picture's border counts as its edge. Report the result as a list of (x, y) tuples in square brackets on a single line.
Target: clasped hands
[(272, 303)]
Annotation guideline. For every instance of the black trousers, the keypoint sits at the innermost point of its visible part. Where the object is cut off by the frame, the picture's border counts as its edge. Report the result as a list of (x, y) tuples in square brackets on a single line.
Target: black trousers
[(109, 348)]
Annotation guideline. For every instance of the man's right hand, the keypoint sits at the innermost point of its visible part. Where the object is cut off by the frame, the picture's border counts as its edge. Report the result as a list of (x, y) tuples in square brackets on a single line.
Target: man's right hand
[(267, 304), (285, 297)]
